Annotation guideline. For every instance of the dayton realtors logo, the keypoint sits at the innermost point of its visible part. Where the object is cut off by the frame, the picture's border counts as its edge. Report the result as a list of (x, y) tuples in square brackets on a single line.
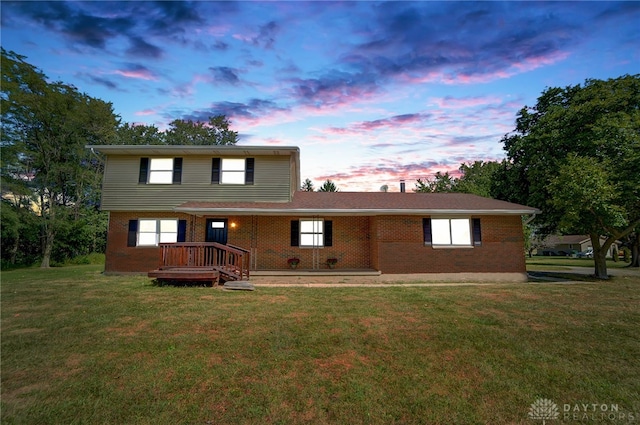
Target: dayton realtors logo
[(544, 409), (596, 412)]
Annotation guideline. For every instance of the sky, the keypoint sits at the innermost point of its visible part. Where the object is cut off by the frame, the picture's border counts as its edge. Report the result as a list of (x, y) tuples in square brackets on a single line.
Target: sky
[(371, 92)]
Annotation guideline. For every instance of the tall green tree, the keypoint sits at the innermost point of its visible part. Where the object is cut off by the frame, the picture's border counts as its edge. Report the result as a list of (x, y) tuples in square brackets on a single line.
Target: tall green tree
[(632, 242), (477, 178), (214, 132), (45, 127), (575, 155), (180, 132), (307, 186), (440, 183), (138, 134), (328, 186)]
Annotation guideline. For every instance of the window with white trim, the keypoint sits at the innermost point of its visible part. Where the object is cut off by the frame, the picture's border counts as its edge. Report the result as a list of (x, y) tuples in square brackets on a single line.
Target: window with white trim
[(450, 231), (151, 232), (232, 171), (453, 232), (161, 170), (314, 233), (311, 233)]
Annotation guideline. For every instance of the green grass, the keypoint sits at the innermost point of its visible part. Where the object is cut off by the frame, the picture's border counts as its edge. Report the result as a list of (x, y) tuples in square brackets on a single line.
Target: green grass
[(559, 263), (79, 347)]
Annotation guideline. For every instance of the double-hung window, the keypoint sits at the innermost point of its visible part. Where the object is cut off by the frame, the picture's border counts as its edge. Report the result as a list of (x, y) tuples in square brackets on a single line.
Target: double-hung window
[(452, 232), (311, 233), (151, 232), (160, 171), (232, 171)]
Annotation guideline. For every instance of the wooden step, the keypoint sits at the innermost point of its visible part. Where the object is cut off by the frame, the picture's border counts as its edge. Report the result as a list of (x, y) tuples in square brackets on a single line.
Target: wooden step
[(208, 274), (239, 285)]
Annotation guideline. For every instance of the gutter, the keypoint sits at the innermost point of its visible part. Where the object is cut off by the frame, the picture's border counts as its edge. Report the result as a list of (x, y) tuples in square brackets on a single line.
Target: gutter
[(344, 211)]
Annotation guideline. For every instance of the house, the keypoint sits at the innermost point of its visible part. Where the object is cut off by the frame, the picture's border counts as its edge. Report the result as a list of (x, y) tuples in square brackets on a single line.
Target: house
[(567, 245), (249, 197)]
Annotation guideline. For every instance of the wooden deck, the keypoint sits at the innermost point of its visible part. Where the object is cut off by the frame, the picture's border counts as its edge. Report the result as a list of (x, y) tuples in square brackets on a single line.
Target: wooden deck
[(202, 261), (196, 274)]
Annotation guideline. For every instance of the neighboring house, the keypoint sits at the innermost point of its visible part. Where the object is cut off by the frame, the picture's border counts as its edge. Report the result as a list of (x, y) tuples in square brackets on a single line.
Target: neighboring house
[(24, 199), (248, 196), (567, 245)]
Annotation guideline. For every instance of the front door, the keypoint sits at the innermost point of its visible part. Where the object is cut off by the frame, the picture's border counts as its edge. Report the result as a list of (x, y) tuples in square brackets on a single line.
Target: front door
[(216, 230)]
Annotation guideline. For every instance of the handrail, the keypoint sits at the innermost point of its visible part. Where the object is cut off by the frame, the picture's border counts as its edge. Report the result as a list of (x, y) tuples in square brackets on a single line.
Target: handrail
[(229, 260)]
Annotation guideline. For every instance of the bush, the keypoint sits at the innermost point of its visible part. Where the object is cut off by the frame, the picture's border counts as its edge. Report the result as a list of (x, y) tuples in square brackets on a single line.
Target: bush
[(20, 233), (93, 258)]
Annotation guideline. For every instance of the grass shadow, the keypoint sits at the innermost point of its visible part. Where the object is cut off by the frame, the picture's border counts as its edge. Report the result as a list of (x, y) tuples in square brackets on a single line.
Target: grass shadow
[(561, 277), (180, 283)]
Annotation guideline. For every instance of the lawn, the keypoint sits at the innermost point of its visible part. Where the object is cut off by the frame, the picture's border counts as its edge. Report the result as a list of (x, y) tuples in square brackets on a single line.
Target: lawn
[(79, 347), (549, 263)]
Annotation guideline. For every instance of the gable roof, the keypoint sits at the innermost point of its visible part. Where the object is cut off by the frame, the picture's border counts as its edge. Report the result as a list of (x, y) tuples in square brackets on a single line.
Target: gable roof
[(566, 239), (364, 203)]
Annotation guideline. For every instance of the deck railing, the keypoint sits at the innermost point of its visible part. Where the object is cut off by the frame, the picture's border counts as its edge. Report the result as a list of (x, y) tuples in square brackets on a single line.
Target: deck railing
[(228, 259)]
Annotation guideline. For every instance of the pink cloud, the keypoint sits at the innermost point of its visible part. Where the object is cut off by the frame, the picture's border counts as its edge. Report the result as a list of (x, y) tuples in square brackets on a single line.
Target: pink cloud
[(450, 102), (454, 77), (141, 74), (538, 61), (370, 178), (146, 112)]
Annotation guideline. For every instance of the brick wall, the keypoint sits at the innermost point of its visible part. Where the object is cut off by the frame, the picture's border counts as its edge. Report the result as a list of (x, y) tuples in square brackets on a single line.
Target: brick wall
[(122, 259), (391, 244), (350, 244), (401, 249)]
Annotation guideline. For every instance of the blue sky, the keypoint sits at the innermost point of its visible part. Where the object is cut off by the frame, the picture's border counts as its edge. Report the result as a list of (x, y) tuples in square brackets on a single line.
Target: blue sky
[(371, 92)]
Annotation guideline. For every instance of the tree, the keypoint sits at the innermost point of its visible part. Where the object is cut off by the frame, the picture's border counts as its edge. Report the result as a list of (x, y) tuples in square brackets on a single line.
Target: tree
[(214, 132), (440, 183), (328, 186), (138, 134), (307, 186), (477, 178), (632, 244), (575, 155), (20, 234), (9, 231), (45, 129), (384, 188), (180, 132)]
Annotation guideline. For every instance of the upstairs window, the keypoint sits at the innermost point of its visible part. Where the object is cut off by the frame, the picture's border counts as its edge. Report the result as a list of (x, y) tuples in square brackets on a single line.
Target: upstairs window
[(452, 232), (232, 171), (160, 171)]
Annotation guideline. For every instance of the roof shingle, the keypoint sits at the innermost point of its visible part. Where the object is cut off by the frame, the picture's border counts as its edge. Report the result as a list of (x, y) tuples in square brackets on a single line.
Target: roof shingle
[(366, 203)]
